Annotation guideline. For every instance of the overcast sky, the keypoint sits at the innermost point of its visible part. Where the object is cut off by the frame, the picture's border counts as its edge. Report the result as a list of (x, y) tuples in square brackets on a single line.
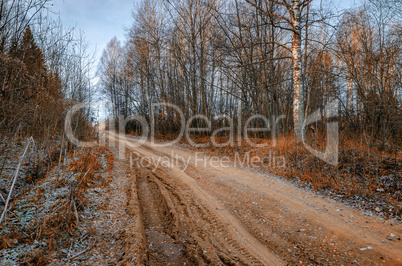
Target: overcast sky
[(101, 20)]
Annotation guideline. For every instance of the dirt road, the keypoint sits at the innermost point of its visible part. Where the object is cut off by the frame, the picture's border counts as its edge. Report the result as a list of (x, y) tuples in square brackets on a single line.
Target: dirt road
[(195, 213)]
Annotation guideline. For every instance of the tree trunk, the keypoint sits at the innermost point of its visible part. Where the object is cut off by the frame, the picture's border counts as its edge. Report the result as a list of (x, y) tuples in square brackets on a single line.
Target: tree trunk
[(298, 94)]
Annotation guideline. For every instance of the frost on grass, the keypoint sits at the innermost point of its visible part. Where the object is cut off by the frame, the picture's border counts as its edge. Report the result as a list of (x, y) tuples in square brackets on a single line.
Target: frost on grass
[(51, 222)]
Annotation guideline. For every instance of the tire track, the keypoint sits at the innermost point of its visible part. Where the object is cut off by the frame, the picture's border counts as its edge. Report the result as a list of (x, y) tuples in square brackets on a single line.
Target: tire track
[(235, 239), (162, 248)]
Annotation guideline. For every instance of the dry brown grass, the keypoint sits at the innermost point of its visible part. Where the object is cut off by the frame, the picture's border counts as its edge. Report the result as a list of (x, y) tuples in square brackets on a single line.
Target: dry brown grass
[(58, 221)]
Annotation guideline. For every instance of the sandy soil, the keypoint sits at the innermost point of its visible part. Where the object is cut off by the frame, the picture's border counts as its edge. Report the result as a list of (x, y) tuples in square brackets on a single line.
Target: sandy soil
[(192, 213)]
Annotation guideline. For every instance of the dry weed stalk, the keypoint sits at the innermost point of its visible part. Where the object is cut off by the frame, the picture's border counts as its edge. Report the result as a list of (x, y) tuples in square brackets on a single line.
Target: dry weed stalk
[(15, 179)]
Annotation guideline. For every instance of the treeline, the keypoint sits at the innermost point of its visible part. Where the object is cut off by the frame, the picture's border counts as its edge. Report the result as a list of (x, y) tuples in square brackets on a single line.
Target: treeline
[(272, 57), (44, 70)]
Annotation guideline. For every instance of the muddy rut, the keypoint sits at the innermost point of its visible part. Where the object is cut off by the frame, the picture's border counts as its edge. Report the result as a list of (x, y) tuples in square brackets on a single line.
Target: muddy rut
[(162, 248), (178, 229)]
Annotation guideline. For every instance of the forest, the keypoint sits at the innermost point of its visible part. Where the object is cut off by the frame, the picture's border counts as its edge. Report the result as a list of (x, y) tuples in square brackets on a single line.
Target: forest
[(44, 70), (209, 57), (286, 117)]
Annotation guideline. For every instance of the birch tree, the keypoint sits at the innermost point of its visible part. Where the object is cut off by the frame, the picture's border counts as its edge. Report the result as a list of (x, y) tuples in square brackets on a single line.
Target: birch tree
[(292, 22)]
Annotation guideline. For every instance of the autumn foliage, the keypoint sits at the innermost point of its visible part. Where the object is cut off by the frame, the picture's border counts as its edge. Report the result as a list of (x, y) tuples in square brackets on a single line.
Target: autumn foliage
[(87, 161), (31, 102), (60, 198)]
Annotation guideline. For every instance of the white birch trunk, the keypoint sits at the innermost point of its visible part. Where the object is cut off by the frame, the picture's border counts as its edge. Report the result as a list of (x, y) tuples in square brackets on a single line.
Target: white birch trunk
[(298, 94)]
